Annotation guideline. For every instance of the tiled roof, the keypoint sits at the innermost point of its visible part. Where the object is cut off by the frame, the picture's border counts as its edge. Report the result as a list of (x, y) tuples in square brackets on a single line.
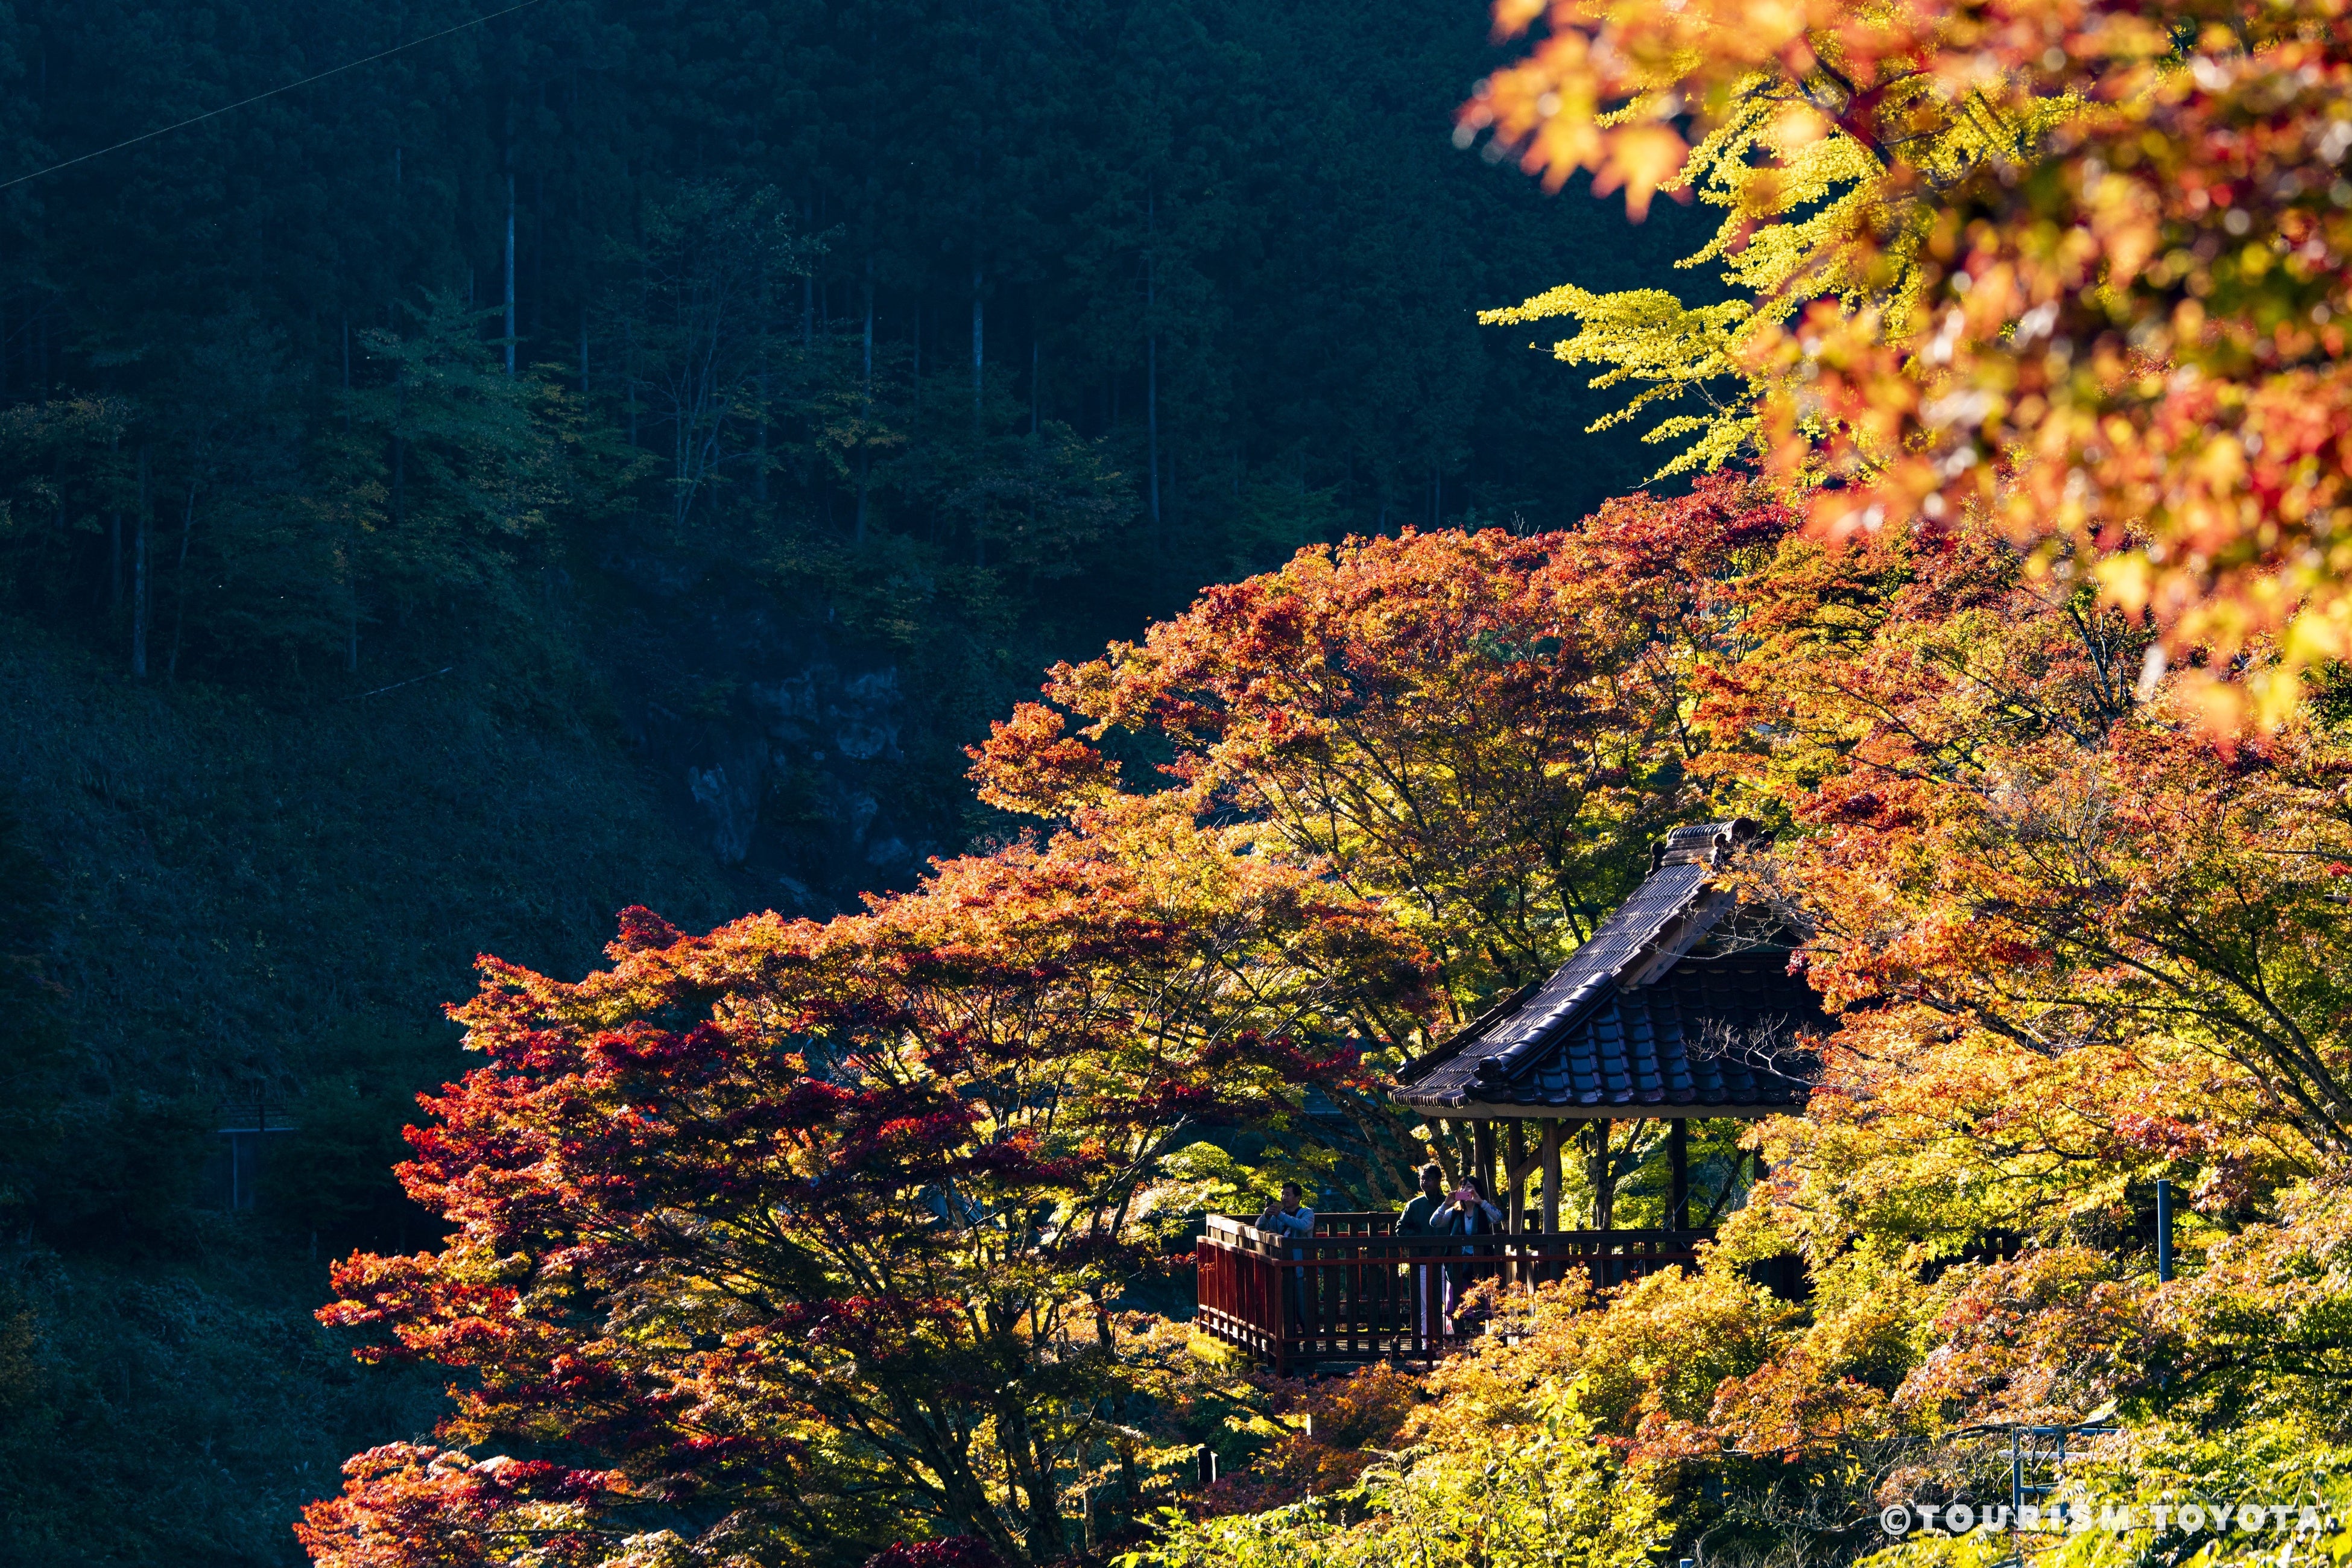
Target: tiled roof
[(1673, 1003)]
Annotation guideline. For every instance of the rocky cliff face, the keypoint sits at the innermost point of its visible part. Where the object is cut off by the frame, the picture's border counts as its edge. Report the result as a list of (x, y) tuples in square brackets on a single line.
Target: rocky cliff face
[(813, 766)]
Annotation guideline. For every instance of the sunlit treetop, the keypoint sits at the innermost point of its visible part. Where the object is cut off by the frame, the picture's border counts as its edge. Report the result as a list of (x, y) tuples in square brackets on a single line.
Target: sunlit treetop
[(2080, 268), (1477, 732)]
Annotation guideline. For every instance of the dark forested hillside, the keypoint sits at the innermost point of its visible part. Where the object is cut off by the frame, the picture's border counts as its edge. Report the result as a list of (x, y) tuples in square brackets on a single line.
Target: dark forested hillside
[(620, 453), (759, 359)]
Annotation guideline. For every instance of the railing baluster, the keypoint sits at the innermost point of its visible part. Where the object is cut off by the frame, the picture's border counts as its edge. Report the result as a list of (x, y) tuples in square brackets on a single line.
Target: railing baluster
[(1356, 1291)]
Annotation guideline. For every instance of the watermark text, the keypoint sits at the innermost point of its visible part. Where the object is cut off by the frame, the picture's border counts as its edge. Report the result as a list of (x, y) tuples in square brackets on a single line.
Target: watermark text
[(2115, 1517)]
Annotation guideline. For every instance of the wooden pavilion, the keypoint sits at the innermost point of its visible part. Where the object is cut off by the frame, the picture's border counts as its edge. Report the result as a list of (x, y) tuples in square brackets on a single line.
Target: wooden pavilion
[(1680, 1006)]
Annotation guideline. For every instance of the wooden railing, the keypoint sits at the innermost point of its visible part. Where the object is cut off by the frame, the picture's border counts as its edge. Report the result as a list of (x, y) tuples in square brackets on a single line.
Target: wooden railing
[(1355, 1290)]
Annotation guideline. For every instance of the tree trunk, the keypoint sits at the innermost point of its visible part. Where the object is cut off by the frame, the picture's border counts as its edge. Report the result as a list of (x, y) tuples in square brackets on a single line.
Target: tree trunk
[(864, 458), (1151, 363), (113, 553), (400, 452), (1514, 1180), (865, 412), (139, 579), (1032, 1475), (1450, 1146), (180, 584), (511, 294), (539, 256), (352, 602), (976, 342)]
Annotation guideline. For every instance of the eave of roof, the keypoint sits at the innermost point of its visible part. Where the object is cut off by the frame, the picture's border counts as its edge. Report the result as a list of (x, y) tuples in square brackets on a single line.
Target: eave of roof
[(1486, 1067)]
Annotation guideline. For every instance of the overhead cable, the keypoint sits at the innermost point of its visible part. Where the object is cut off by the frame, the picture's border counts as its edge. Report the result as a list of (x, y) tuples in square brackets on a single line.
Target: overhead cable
[(273, 92)]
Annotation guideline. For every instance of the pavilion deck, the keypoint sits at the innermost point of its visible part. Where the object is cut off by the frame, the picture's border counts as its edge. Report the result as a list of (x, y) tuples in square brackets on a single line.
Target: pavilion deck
[(1355, 1291), (1681, 1006)]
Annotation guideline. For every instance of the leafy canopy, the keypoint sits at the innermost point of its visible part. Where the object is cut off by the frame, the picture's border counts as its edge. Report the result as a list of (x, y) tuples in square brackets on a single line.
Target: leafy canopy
[(795, 1233), (2080, 269), (1478, 732)]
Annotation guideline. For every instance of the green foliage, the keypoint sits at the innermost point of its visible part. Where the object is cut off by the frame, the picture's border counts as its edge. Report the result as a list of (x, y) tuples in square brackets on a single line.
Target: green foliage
[(1553, 1500), (204, 896), (333, 1176), (763, 331), (32, 1011), (1280, 516), (1209, 1177), (56, 453), (176, 1412), (461, 475), (1793, 198)]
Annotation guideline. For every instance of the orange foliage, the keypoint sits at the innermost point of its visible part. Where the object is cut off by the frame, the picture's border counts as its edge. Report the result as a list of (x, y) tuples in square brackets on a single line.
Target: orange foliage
[(824, 1220), (1480, 732), (1333, 1428), (2093, 283)]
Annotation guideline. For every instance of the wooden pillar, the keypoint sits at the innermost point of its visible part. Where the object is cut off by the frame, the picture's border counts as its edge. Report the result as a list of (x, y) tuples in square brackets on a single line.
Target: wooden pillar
[(1515, 1200), (1481, 1156), (1603, 1190), (1551, 1175), (1678, 1179), (1514, 1180)]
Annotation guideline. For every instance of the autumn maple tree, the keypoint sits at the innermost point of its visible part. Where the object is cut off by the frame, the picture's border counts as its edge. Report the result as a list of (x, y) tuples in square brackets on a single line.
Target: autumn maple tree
[(801, 1234), (2078, 942), (1999, 831), (1479, 733), (1482, 733), (2077, 268), (794, 1235)]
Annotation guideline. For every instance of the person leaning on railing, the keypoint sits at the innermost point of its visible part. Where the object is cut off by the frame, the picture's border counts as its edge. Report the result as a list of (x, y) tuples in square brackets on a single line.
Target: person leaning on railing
[(1421, 1217), (1293, 1218)]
